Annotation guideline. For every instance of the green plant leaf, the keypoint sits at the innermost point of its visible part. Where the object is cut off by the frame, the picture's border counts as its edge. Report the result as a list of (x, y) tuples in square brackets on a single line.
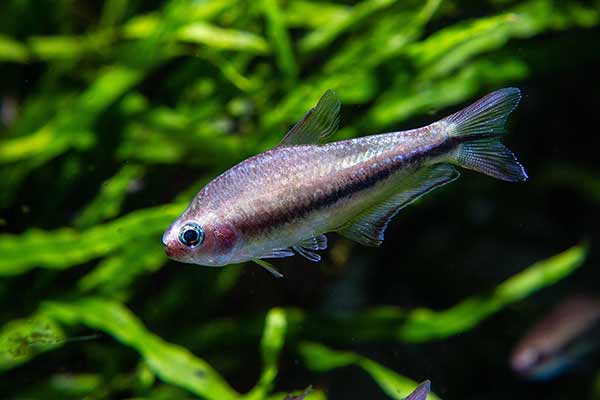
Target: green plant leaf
[(279, 36), (223, 39), (388, 323), (425, 325), (66, 247), (107, 203), (271, 345), (312, 14), (71, 129), (114, 274), (171, 363), (325, 34), (12, 50), (20, 340), (320, 358)]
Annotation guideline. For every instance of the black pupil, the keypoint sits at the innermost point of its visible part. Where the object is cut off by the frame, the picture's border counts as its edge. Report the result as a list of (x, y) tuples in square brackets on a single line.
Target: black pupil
[(191, 236)]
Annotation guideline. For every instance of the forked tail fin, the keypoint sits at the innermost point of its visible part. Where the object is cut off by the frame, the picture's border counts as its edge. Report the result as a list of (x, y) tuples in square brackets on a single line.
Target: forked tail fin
[(479, 128)]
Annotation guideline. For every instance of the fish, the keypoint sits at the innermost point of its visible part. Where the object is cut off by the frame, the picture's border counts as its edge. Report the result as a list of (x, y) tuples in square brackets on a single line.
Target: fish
[(301, 396), (553, 345), (285, 200), (421, 392)]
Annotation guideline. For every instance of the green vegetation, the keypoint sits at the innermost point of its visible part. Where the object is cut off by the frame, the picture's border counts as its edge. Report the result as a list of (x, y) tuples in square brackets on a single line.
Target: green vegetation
[(128, 98)]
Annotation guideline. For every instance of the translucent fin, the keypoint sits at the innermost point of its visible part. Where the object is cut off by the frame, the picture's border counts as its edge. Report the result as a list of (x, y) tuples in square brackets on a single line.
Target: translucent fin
[(319, 123), (269, 267), (487, 116), (368, 227), (490, 157), (301, 396), (478, 129), (306, 247), (278, 253), (309, 255), (420, 392), (315, 243)]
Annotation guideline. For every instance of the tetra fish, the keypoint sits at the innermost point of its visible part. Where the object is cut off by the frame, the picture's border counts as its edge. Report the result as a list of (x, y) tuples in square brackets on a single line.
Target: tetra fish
[(283, 201), (557, 342)]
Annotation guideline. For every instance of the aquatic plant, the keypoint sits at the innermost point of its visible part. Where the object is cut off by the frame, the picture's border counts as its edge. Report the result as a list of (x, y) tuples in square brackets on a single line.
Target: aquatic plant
[(114, 115)]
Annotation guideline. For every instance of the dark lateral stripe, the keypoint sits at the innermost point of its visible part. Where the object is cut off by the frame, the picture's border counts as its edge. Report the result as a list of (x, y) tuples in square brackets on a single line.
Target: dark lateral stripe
[(272, 220)]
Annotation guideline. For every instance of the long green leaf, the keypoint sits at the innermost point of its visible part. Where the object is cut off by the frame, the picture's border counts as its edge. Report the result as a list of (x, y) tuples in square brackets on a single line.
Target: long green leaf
[(12, 50), (72, 129), (387, 323), (280, 38), (424, 325), (66, 247), (328, 32), (20, 340), (171, 363), (320, 358), (224, 39), (114, 274), (271, 345), (107, 203)]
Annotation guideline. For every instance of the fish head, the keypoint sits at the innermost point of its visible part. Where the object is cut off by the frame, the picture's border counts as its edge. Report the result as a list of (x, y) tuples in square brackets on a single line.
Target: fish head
[(526, 360), (559, 340), (201, 239), (537, 365)]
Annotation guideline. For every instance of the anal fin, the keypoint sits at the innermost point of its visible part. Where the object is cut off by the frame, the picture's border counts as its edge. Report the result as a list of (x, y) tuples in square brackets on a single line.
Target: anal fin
[(368, 227)]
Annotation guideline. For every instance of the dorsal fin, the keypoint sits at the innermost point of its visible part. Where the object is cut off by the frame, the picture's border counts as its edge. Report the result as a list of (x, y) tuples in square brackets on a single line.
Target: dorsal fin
[(318, 123), (368, 227), (420, 392)]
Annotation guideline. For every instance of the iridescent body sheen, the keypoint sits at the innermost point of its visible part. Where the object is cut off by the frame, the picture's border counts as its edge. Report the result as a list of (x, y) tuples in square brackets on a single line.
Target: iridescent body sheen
[(560, 339), (285, 199)]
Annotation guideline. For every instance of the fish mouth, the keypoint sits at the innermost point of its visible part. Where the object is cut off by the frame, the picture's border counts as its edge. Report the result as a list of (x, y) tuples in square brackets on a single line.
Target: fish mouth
[(164, 238)]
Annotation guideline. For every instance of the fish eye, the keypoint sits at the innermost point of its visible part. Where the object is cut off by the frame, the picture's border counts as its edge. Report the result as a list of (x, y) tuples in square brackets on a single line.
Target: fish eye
[(191, 235)]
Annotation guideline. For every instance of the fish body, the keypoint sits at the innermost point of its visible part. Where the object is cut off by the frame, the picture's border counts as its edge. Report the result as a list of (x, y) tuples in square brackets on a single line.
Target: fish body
[(559, 340), (288, 194), (284, 200)]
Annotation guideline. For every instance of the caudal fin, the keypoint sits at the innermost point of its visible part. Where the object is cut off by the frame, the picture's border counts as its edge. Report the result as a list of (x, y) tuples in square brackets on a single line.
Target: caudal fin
[(479, 128)]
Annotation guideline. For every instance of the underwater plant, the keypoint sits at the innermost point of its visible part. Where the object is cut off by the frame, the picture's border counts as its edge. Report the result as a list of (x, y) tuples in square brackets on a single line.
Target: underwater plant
[(114, 114)]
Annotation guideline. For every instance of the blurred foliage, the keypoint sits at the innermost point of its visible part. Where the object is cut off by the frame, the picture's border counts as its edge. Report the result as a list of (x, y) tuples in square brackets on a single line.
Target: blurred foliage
[(319, 358), (22, 339), (388, 323), (105, 107)]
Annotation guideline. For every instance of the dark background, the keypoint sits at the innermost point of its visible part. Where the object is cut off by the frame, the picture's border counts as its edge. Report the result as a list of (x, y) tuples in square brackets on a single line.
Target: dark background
[(460, 241)]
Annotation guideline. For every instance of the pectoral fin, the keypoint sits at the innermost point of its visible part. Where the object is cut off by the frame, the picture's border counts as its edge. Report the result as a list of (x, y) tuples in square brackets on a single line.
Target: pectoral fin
[(306, 247), (368, 227)]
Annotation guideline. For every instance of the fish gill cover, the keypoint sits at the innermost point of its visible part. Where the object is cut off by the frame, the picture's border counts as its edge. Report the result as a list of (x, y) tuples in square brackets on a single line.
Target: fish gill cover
[(113, 114)]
